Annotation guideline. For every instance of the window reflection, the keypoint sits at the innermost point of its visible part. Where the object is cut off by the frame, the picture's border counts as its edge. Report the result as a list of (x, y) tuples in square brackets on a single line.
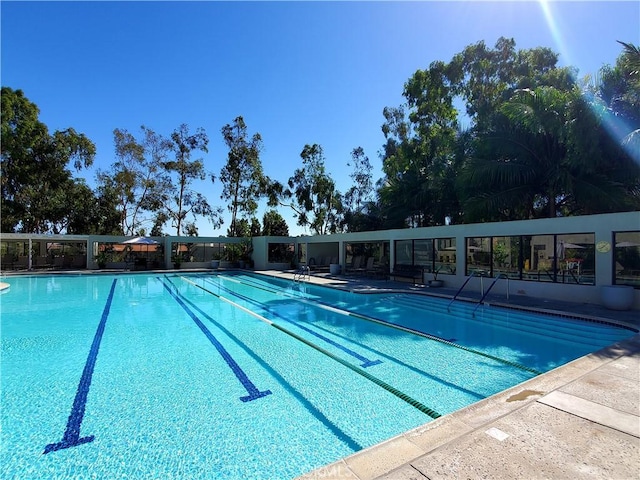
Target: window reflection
[(627, 258)]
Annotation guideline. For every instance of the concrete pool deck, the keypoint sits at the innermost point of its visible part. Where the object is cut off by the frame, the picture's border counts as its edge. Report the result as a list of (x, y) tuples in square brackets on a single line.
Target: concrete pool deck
[(578, 421)]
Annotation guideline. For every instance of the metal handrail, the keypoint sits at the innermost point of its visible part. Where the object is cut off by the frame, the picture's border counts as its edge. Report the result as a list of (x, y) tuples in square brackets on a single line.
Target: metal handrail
[(502, 275), (473, 274), (300, 274)]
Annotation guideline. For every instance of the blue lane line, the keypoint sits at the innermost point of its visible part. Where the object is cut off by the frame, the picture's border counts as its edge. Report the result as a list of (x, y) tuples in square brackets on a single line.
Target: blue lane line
[(365, 361), (477, 395), (251, 389), (315, 411), (71, 437)]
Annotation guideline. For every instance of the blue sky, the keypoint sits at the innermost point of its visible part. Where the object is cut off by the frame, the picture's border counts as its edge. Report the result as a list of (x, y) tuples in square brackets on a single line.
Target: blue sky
[(298, 72)]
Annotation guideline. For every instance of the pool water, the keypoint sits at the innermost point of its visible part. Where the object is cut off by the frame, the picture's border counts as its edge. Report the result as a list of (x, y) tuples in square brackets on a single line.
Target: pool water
[(238, 375)]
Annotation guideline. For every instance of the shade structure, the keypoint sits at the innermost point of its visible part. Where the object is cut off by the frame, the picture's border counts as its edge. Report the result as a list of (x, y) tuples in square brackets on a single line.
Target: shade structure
[(140, 241)]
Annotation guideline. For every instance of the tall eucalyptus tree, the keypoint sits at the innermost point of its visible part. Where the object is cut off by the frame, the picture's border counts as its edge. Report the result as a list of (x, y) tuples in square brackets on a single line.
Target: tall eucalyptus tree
[(318, 204), (182, 200), (138, 178), (242, 178)]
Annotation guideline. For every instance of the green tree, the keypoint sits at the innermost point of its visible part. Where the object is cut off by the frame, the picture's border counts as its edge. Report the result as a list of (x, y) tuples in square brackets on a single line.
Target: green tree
[(419, 156), (274, 225), (630, 61), (484, 78), (104, 218), (35, 177), (242, 229), (360, 206), (544, 159), (396, 191), (182, 201), (242, 178), (426, 151), (255, 229), (618, 89), (86, 212), (138, 178), (317, 202), (362, 189)]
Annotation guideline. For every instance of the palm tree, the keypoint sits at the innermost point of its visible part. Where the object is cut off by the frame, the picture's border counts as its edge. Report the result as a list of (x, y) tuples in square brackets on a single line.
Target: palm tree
[(631, 60), (520, 165), (535, 162)]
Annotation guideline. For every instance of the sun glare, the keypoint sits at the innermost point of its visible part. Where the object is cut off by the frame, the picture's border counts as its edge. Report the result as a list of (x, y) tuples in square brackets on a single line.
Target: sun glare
[(615, 126), (554, 30)]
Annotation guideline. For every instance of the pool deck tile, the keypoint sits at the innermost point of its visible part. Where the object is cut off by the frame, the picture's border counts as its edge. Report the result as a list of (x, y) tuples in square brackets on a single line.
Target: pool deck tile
[(578, 421), (595, 412)]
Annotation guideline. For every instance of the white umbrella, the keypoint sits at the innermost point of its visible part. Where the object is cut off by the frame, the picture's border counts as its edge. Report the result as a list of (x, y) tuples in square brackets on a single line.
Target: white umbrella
[(627, 244), (570, 245), (140, 241), (563, 246)]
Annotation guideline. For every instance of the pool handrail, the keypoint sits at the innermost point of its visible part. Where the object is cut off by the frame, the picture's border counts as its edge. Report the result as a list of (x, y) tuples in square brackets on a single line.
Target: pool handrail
[(484, 295), (303, 270), (473, 274)]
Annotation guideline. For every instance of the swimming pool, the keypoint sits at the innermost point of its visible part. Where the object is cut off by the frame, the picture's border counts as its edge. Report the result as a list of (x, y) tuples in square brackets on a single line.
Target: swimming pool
[(237, 375)]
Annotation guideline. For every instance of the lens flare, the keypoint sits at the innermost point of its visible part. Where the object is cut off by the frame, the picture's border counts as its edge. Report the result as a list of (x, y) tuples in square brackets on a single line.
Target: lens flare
[(615, 125)]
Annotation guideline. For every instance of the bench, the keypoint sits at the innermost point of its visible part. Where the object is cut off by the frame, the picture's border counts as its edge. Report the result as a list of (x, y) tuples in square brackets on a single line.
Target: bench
[(414, 272)]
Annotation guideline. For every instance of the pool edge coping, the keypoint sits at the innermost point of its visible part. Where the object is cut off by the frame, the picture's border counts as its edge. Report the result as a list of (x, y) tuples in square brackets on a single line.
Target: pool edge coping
[(392, 454)]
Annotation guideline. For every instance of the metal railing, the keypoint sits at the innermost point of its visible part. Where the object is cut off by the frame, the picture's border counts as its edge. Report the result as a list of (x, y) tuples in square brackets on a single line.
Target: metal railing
[(484, 295), (301, 273), (473, 274)]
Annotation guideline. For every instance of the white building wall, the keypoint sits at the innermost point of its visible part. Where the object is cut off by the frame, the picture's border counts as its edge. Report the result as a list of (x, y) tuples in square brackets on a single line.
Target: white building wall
[(602, 226)]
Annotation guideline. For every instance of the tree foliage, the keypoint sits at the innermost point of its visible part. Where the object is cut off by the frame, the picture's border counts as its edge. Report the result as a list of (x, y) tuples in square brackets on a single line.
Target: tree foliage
[(242, 178), (419, 154), (496, 133), (36, 177), (317, 202), (137, 178), (362, 190), (360, 206), (535, 145), (274, 225), (182, 201)]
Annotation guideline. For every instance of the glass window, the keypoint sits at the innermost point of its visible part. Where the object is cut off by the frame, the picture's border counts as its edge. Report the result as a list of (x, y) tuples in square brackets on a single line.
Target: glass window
[(445, 255), (371, 255), (302, 253), (213, 251), (280, 252), (479, 255), (575, 258), (423, 254), (404, 252), (538, 253), (506, 256), (14, 255), (627, 258)]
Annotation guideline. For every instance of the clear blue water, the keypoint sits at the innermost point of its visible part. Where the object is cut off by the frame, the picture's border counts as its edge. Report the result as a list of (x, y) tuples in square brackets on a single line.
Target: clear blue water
[(173, 377)]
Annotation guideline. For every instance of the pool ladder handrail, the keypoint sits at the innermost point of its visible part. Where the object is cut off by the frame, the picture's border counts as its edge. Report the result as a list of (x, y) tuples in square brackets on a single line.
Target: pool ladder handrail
[(473, 274), (303, 271), (484, 295)]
